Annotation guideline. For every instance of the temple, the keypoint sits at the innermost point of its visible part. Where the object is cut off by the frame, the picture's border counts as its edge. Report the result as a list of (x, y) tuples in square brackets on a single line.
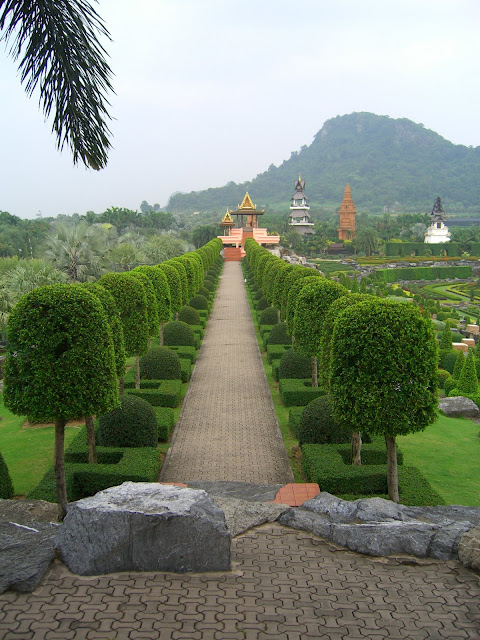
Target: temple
[(300, 219), (437, 231), (347, 212), (247, 227)]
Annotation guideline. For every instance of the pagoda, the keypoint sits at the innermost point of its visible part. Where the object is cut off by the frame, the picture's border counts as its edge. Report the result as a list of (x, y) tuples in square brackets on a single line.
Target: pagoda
[(300, 219), (437, 231), (347, 212), (227, 222), (249, 210)]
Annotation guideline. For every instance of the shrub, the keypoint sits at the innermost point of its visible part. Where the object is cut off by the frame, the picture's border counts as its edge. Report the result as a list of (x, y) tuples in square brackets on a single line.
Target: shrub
[(189, 315), (160, 363), (317, 425), (294, 365), (259, 294), (178, 333), (298, 392), (185, 352), (205, 292), (209, 284), (166, 420), (263, 304), (443, 376), (278, 335), (294, 416), (269, 316), (199, 302), (459, 364), (133, 424), (6, 486), (275, 351), (167, 394), (468, 381), (449, 385), (449, 359)]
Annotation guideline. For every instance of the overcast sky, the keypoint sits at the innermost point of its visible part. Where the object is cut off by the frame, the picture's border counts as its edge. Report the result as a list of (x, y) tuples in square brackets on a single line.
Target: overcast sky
[(209, 91)]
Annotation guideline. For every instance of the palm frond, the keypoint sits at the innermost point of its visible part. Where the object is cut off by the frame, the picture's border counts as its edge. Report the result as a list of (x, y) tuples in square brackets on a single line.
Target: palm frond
[(59, 51)]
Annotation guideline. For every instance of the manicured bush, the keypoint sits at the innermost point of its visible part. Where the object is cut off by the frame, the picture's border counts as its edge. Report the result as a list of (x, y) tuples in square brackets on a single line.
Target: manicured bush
[(294, 365), (208, 284), (178, 333), (185, 369), (263, 304), (167, 394), (160, 363), (189, 315), (294, 416), (174, 285), (199, 302), (279, 335), (318, 426), (269, 316), (205, 293), (275, 351), (459, 364), (259, 294), (166, 421), (6, 485), (442, 377), (132, 424), (161, 287), (185, 352), (423, 273), (298, 392), (449, 359), (449, 385), (468, 381)]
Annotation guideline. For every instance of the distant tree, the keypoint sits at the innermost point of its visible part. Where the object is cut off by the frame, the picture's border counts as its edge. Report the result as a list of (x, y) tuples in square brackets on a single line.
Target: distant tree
[(367, 240), (294, 240), (205, 233), (159, 280)]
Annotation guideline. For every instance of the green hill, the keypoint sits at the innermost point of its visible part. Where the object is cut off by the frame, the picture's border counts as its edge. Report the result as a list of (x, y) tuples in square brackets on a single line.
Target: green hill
[(385, 160)]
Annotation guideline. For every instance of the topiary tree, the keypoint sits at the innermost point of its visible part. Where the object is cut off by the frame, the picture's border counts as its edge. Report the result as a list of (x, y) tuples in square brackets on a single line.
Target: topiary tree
[(383, 375), (6, 485), (313, 302), (296, 273), (160, 363), (152, 310), (130, 298), (279, 335), (60, 362), (189, 315), (459, 364), (318, 426), (293, 293), (182, 272), (178, 333), (174, 285), (199, 302), (132, 424), (269, 316), (159, 281), (468, 381), (294, 365)]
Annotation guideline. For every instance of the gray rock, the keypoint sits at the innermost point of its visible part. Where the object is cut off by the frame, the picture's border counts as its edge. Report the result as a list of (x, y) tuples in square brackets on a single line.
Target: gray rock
[(469, 549), (144, 527), (242, 515), (26, 553), (458, 406), (28, 511), (242, 490)]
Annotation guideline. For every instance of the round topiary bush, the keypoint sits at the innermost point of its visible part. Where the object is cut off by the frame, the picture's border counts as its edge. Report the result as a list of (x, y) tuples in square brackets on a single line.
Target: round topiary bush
[(294, 365), (208, 284), (262, 304), (204, 292), (449, 384), (258, 294), (279, 335), (269, 316), (6, 485), (317, 425), (160, 363), (189, 315), (178, 333), (199, 302), (132, 424), (443, 375)]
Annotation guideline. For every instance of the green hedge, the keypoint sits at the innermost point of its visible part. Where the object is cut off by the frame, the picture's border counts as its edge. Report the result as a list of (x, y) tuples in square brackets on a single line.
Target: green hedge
[(166, 421), (144, 384), (265, 329), (327, 465), (294, 416), (116, 465), (276, 370), (166, 395), (185, 352), (298, 392), (185, 369), (423, 273), (403, 249), (276, 351)]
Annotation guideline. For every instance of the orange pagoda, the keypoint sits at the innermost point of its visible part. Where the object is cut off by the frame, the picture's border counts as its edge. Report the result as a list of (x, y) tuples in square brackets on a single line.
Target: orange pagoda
[(347, 212)]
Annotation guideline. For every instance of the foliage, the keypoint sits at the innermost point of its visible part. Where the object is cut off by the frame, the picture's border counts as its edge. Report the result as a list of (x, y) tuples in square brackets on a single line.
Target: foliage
[(166, 395), (151, 299), (294, 365), (132, 424), (442, 377), (278, 335), (182, 272), (60, 362), (6, 486), (174, 286), (318, 426), (199, 302), (446, 339), (179, 334), (448, 361), (189, 315), (298, 392), (459, 365), (468, 381), (159, 280), (293, 292), (423, 273), (393, 249), (160, 363), (269, 315)]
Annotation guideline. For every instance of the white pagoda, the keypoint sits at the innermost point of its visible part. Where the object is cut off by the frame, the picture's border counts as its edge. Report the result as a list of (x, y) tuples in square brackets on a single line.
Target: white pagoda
[(437, 232), (300, 219)]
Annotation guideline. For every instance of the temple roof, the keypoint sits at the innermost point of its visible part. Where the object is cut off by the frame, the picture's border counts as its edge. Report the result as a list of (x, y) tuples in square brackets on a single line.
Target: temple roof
[(227, 219), (247, 208), (347, 202), (247, 203), (437, 214)]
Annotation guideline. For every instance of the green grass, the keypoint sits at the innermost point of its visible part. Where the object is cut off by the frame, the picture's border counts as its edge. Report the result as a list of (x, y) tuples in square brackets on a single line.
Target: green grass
[(448, 455), (28, 453)]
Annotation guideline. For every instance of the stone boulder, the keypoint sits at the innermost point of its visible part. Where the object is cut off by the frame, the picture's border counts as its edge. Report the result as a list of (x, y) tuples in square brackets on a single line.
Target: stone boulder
[(144, 527), (379, 527), (469, 549), (458, 406)]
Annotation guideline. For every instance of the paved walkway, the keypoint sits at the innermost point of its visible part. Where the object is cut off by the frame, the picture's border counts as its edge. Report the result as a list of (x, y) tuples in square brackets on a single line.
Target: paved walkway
[(228, 428), (285, 585)]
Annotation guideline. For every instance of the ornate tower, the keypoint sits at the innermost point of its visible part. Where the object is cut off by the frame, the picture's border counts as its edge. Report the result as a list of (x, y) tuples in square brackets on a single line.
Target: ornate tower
[(347, 212), (300, 219), (437, 231)]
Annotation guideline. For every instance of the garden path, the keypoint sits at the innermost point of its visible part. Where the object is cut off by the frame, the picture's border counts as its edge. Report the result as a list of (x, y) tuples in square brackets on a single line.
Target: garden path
[(228, 429)]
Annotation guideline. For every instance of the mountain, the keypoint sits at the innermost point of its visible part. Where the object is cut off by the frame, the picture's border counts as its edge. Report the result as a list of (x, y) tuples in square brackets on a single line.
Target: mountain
[(385, 161)]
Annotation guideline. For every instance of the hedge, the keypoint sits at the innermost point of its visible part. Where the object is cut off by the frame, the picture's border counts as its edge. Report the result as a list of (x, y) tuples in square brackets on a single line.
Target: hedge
[(423, 273), (166, 421), (276, 351), (115, 465), (185, 352), (403, 249), (185, 369), (166, 395), (294, 416), (6, 485), (298, 392)]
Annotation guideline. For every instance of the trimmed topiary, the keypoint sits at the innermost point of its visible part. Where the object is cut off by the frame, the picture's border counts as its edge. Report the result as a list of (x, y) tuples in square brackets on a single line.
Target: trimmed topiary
[(258, 294), (133, 424), (189, 315), (443, 376), (6, 485), (204, 292), (449, 385), (468, 381), (279, 335), (317, 425), (199, 302), (269, 316), (179, 334), (160, 363), (459, 364), (208, 284), (262, 304), (294, 365), (449, 359)]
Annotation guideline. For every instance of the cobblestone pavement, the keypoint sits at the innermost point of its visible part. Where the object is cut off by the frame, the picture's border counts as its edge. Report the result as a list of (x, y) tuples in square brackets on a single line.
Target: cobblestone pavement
[(285, 585), (228, 428)]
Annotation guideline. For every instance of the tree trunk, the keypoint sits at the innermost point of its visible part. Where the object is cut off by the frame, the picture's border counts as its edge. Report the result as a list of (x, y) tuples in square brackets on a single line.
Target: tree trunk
[(314, 372), (356, 448), (278, 316), (161, 333), (137, 372), (59, 466), (150, 343), (392, 470), (121, 385), (92, 449), (176, 316)]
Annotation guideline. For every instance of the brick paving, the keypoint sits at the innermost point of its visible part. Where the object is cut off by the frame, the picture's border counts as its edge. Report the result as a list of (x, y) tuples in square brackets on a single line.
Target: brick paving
[(228, 429), (284, 585)]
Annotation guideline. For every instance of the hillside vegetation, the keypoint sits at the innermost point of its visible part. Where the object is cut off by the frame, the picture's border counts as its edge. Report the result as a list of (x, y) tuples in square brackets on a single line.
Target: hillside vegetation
[(385, 160)]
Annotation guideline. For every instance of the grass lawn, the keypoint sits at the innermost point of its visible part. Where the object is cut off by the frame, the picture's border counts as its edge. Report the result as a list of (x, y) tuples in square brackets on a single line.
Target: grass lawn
[(28, 453), (448, 455)]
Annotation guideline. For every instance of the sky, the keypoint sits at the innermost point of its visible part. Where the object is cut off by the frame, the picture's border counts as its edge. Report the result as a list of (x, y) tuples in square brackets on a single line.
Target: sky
[(216, 90)]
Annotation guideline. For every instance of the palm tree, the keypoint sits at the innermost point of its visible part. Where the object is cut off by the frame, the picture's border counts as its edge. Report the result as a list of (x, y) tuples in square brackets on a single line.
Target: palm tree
[(367, 240), (59, 51)]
